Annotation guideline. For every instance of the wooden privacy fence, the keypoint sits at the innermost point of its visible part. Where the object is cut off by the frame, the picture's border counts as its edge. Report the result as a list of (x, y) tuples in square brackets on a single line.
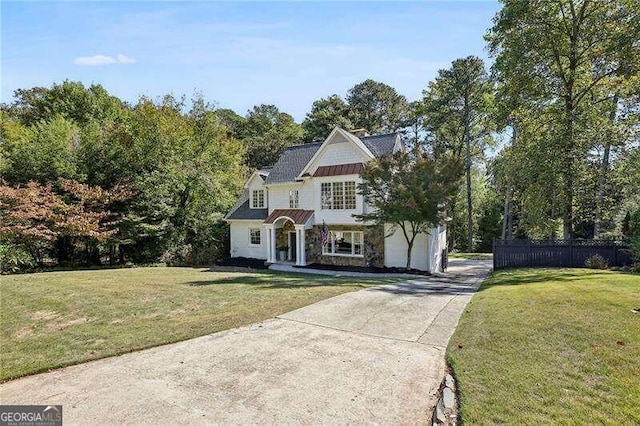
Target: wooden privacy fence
[(558, 253)]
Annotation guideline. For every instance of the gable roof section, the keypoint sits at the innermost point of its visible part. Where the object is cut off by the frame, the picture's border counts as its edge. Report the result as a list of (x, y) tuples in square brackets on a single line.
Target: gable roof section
[(295, 159), (263, 173), (339, 170), (242, 210), (348, 136), (381, 145), (291, 163)]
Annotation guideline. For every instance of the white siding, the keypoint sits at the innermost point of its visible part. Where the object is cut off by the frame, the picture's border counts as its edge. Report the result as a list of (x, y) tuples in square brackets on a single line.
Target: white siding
[(239, 233), (279, 195), (309, 199), (338, 151), (437, 243), (425, 255), (344, 217)]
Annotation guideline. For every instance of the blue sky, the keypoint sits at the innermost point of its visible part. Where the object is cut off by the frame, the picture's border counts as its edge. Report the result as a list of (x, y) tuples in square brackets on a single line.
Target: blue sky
[(238, 54)]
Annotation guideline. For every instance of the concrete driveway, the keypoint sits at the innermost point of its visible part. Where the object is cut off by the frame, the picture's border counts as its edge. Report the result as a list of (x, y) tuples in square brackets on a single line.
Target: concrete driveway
[(375, 356)]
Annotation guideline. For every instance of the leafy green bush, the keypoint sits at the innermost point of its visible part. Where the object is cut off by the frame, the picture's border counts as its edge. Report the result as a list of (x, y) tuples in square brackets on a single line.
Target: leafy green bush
[(596, 262), (14, 258)]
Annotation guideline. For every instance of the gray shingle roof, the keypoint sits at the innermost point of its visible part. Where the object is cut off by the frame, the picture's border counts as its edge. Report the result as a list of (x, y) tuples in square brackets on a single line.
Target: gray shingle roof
[(380, 145), (294, 158), (291, 163), (242, 210)]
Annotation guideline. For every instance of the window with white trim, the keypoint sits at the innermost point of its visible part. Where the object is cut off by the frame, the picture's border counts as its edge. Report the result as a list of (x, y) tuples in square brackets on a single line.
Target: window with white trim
[(338, 195), (350, 195), (294, 199), (257, 199), (254, 236), (344, 243)]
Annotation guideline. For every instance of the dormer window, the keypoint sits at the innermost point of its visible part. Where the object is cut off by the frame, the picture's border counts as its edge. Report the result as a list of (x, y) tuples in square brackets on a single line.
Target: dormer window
[(257, 199)]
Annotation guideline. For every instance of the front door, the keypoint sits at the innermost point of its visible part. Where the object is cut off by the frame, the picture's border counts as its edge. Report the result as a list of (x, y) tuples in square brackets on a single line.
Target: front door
[(292, 245)]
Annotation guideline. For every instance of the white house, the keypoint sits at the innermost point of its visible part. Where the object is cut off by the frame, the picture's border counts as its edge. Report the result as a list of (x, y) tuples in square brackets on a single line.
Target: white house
[(279, 217)]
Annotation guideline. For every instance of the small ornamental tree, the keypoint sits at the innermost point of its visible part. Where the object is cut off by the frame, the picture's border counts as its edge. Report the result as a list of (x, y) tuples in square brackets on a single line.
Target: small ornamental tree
[(28, 216), (88, 219), (36, 217), (408, 190)]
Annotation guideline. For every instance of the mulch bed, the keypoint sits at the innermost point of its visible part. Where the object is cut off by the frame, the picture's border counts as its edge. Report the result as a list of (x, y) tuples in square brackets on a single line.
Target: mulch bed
[(243, 262), (364, 269)]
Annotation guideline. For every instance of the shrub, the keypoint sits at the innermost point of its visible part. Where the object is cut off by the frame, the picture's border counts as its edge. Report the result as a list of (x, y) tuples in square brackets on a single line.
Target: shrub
[(14, 258), (596, 262), (634, 245), (178, 256)]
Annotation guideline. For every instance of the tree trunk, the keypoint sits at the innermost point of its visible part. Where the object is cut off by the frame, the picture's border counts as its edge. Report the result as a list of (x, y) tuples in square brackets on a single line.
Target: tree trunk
[(451, 227), (567, 217), (604, 169), (506, 221), (601, 185), (409, 248), (409, 242), (467, 138), (63, 245)]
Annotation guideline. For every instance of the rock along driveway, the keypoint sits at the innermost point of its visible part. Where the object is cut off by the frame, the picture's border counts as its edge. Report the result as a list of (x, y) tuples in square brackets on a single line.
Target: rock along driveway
[(374, 356)]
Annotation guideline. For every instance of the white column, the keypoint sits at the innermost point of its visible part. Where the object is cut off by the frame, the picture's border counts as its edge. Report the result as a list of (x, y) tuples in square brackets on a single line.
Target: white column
[(274, 253), (271, 244), (303, 249), (298, 246), (266, 233)]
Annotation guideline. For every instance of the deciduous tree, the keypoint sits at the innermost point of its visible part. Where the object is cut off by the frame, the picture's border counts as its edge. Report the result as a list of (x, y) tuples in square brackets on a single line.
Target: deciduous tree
[(409, 190), (559, 59)]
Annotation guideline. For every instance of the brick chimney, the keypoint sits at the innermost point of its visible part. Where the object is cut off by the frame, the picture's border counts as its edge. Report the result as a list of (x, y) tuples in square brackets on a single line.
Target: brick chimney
[(360, 133)]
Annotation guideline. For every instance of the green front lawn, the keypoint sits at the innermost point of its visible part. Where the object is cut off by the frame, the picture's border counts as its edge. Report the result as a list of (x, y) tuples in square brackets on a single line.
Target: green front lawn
[(53, 319), (471, 256), (541, 346)]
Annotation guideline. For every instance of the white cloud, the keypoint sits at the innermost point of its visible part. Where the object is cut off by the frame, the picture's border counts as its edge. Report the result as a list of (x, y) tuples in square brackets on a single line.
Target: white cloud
[(123, 59), (94, 60), (97, 60)]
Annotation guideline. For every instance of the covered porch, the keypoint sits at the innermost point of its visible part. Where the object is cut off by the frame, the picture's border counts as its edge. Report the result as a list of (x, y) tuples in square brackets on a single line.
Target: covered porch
[(288, 225)]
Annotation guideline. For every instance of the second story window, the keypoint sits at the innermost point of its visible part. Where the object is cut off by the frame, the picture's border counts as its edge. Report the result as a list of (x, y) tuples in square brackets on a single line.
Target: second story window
[(294, 199), (338, 195), (257, 199), (350, 195)]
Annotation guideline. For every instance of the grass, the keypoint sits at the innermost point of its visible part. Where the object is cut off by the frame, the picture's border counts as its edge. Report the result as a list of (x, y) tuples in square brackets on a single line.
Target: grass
[(539, 346), (471, 256), (54, 319)]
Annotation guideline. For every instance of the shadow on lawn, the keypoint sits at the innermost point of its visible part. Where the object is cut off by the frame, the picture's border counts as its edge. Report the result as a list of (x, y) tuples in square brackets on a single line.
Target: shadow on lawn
[(271, 281), (534, 276), (434, 286)]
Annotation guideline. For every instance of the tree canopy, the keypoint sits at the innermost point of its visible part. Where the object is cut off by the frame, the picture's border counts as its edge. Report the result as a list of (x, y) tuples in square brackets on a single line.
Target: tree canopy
[(557, 62)]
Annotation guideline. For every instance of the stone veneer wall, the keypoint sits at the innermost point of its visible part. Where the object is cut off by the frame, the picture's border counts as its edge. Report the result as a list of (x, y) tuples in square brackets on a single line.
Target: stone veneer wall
[(373, 246), (282, 234)]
